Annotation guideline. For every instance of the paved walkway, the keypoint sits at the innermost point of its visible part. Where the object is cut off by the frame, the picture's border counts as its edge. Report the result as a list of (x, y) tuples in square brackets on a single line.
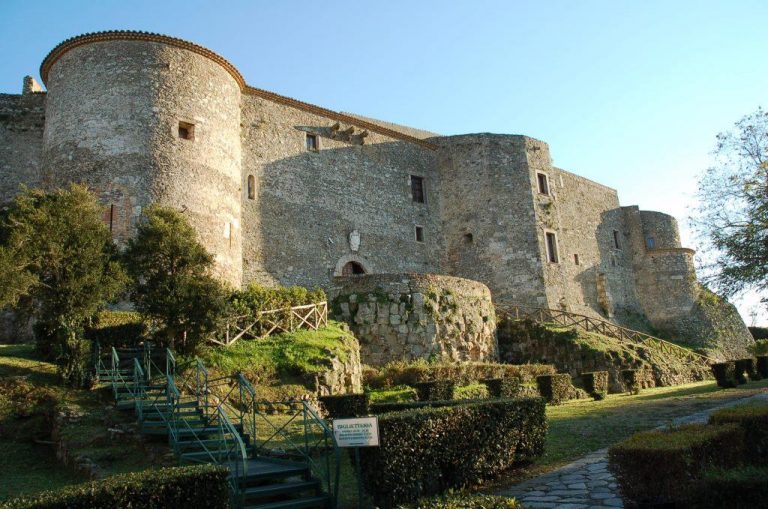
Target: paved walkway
[(587, 483)]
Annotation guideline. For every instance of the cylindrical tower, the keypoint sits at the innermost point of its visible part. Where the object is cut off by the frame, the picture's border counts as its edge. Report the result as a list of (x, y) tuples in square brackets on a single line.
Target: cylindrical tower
[(144, 118), (660, 230)]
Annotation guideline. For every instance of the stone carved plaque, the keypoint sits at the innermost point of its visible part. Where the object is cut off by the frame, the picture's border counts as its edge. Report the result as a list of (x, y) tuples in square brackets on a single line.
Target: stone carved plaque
[(354, 240)]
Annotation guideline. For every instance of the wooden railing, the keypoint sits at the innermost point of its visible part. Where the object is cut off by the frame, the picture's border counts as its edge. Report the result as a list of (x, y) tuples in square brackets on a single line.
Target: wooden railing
[(589, 324), (274, 321)]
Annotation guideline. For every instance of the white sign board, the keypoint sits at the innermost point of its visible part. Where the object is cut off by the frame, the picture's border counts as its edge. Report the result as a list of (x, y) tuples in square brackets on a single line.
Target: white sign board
[(358, 432)]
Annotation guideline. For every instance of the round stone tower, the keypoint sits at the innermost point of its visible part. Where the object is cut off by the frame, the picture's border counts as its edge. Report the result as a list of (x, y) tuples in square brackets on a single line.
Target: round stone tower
[(144, 118)]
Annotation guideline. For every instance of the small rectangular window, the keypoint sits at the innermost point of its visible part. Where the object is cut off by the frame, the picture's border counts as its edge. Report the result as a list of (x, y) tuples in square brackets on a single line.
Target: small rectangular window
[(419, 234), (417, 189), (551, 247), (576, 259), (616, 243), (650, 242), (186, 131), (312, 142), (543, 183)]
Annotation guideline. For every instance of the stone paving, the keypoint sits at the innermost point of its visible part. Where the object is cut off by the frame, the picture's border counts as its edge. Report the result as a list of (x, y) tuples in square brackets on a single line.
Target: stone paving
[(587, 483)]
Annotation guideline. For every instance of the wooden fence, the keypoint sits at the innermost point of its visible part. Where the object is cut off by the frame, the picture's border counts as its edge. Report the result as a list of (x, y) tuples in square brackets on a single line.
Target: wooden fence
[(589, 324), (274, 321)]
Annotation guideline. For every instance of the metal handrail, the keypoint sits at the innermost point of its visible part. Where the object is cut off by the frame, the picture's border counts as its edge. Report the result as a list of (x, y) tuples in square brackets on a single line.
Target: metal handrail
[(170, 362), (601, 326)]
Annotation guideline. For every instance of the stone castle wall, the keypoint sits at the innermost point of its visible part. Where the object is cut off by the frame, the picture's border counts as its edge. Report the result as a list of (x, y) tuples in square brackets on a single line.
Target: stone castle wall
[(22, 119), (417, 316)]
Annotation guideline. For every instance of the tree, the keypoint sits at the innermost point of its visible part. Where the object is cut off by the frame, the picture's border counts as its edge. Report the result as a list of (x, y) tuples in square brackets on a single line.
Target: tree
[(732, 215), (172, 284), (15, 278), (60, 252)]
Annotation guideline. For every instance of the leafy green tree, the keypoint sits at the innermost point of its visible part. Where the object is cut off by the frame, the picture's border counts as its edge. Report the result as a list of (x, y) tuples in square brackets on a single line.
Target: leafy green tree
[(68, 255), (16, 280), (732, 215), (172, 283)]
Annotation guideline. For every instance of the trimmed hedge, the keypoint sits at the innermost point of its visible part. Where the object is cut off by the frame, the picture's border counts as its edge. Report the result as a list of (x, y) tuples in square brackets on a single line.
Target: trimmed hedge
[(117, 328), (427, 451), (658, 467), (741, 370), (465, 501), (762, 365), (464, 373), (596, 384), (637, 379), (437, 390), (190, 487), (386, 408), (725, 374), (738, 488), (346, 405), (502, 387), (555, 389), (753, 420)]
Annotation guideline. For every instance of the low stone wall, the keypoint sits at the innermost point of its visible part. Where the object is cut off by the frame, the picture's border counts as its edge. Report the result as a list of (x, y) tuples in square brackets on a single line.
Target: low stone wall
[(412, 316), (345, 373)]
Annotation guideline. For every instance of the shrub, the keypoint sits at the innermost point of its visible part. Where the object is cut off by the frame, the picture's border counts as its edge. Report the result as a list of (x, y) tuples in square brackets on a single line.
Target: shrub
[(426, 451), (753, 419), (738, 488), (725, 374), (662, 466), (762, 366), (760, 347), (192, 487), (596, 384), (435, 391), (502, 387), (346, 405), (555, 389), (471, 391), (411, 373), (465, 501), (116, 328), (637, 379), (742, 367)]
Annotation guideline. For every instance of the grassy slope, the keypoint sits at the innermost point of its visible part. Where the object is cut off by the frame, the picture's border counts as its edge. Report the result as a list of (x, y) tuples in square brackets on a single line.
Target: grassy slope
[(30, 466), (579, 427)]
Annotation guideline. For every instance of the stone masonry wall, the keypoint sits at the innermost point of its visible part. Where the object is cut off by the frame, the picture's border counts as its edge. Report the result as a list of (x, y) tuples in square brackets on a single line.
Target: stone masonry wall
[(412, 316), (22, 119), (307, 203)]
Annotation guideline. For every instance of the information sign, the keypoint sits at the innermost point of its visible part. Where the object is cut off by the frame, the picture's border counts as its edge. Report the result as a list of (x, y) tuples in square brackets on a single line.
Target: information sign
[(357, 432)]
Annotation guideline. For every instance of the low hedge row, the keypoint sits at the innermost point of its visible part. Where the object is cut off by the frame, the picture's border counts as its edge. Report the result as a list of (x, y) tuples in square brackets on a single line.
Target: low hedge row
[(436, 390), (742, 367), (426, 451), (662, 467), (387, 408), (502, 387), (637, 379), (410, 373), (725, 374), (737, 488), (346, 405), (761, 365), (753, 420), (556, 388), (191, 487), (465, 501), (596, 384)]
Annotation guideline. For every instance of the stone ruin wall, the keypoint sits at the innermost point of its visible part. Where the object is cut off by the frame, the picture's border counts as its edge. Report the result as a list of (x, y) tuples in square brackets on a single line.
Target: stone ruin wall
[(22, 120), (417, 316)]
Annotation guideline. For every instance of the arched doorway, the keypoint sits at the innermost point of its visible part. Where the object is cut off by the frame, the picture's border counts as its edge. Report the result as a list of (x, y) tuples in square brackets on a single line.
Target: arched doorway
[(352, 269)]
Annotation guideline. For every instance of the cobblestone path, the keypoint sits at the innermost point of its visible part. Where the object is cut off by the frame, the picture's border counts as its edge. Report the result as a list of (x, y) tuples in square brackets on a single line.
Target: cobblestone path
[(587, 483)]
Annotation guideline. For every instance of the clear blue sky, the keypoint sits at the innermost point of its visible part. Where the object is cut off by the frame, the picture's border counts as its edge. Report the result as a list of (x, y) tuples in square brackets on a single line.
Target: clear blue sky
[(628, 93)]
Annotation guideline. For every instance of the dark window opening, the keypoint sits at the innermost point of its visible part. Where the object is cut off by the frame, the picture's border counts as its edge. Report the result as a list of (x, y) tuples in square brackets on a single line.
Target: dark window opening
[(251, 187), (613, 261), (551, 247), (616, 239), (352, 269), (417, 188), (576, 259), (111, 216), (312, 142), (543, 183), (186, 131), (468, 238), (419, 234), (650, 242)]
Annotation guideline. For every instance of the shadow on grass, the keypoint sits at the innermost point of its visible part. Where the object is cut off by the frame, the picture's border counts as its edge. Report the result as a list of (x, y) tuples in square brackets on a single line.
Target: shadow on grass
[(20, 361)]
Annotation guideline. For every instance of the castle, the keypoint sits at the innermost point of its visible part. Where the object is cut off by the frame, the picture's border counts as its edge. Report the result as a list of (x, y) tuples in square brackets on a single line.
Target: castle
[(285, 192)]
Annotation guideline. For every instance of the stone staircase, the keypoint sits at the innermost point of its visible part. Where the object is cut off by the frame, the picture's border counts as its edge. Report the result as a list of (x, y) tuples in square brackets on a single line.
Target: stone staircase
[(272, 466)]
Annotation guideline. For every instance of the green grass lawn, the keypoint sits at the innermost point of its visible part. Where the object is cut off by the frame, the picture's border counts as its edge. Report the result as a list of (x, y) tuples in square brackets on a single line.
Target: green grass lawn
[(579, 427)]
